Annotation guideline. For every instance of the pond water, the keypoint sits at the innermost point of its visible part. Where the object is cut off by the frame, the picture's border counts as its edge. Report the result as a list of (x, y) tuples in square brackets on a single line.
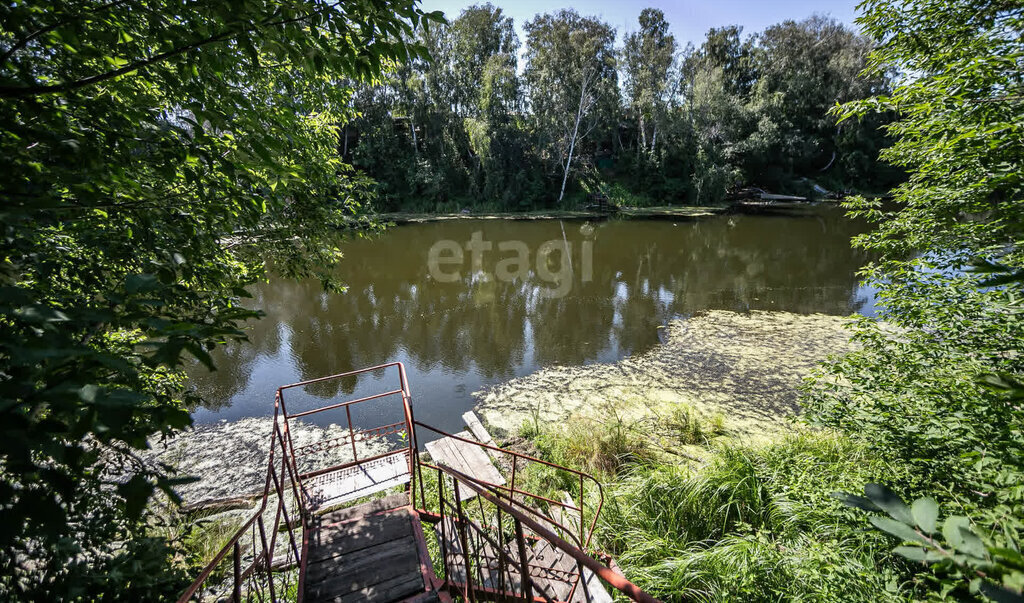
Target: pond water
[(468, 303)]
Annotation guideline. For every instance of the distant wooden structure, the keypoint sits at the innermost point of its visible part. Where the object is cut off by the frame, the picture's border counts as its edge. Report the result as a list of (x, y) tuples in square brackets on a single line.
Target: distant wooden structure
[(753, 193), (599, 202)]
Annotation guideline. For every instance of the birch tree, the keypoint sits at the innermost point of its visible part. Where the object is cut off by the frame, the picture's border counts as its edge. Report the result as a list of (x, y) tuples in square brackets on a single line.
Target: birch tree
[(571, 82), (647, 58)]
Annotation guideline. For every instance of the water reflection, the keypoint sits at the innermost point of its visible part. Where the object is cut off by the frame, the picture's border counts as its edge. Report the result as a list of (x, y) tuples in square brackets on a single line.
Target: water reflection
[(457, 336)]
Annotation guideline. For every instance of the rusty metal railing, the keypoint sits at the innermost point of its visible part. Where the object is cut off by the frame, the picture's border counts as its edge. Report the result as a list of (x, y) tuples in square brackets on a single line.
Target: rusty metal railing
[(515, 464), (256, 571), (249, 565), (489, 549), (354, 435), (498, 535)]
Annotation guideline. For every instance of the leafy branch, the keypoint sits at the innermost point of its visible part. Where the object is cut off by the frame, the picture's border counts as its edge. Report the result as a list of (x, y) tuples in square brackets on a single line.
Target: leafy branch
[(998, 572)]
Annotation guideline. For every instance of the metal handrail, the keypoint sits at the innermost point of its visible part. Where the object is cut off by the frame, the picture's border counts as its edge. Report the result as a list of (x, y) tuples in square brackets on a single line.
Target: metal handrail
[(284, 479), (275, 482), (511, 489), (492, 495), (264, 558)]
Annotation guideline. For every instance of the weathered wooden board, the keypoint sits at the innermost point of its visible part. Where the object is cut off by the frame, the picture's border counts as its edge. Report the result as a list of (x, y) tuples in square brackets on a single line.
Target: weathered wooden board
[(480, 432), (356, 482), (466, 458), (385, 503), (334, 541), (486, 565), (370, 558)]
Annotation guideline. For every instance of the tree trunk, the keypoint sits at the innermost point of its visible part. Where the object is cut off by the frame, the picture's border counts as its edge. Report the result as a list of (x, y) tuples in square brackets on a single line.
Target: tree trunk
[(572, 140), (643, 133)]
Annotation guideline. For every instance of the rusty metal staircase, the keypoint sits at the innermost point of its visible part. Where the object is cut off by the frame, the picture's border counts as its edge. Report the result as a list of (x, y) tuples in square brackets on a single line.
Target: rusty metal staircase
[(357, 516)]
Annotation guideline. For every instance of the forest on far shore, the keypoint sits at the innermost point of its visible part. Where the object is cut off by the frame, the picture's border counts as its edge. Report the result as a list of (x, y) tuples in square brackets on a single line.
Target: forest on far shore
[(651, 122)]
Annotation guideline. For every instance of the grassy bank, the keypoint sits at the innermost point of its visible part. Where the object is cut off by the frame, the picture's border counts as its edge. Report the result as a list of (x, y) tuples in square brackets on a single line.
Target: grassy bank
[(732, 521), (712, 493)]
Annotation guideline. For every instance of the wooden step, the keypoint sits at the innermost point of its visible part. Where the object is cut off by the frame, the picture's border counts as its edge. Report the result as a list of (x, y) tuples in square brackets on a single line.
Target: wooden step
[(386, 503), (486, 573), (377, 556), (552, 572)]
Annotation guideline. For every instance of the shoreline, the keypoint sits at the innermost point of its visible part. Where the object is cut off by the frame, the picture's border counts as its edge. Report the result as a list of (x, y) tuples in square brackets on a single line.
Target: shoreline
[(745, 368), (682, 212)]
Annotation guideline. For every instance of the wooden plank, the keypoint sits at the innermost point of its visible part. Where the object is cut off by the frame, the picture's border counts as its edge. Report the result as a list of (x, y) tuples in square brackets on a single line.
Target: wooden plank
[(326, 543), (480, 433), (362, 572), (391, 501), (393, 590), (546, 557), (594, 588), (569, 518), (444, 452), (487, 575), (541, 558), (480, 467), (357, 482), (466, 458)]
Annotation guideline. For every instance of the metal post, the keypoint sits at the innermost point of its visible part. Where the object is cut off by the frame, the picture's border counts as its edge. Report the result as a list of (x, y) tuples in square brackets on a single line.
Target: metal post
[(524, 568), (351, 434), (444, 531), (238, 573), (501, 548), (268, 556), (461, 527), (583, 501), (583, 582), (512, 488)]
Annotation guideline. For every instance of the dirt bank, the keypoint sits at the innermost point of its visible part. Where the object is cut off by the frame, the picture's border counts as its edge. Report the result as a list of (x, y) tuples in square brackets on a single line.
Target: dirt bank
[(748, 367)]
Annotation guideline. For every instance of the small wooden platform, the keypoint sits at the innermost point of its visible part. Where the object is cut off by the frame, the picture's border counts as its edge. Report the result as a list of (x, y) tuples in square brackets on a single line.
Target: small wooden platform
[(373, 552), (466, 458), (352, 483)]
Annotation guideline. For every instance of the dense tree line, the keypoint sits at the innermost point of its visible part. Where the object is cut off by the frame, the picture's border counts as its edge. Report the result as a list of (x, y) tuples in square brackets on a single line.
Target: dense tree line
[(649, 122)]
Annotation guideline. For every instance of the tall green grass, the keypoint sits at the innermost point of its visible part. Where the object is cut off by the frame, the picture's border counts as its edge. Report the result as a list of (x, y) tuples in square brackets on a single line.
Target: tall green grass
[(751, 523)]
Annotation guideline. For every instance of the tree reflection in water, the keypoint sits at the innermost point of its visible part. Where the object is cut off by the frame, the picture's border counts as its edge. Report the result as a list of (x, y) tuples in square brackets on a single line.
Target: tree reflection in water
[(456, 337)]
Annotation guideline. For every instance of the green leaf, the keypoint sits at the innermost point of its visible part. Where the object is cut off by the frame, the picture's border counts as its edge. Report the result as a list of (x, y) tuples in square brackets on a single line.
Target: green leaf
[(999, 594), (202, 355), (890, 502), (141, 283), (136, 493), (857, 502), (897, 529), (921, 554), (958, 533), (926, 513), (1008, 556)]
